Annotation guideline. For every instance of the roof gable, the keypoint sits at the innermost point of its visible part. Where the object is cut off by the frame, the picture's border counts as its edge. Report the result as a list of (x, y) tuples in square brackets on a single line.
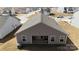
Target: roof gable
[(41, 18), (52, 23)]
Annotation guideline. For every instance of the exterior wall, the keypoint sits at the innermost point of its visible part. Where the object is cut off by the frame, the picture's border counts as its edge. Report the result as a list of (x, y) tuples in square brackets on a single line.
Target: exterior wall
[(8, 27), (41, 30)]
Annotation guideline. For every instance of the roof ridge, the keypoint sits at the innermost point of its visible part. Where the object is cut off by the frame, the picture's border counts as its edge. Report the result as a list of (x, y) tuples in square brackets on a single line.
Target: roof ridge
[(41, 18)]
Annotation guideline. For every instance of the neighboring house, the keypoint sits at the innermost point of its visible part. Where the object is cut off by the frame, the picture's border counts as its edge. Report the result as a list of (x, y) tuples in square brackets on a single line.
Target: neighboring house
[(41, 29), (64, 9), (1, 11), (4, 10), (57, 10), (20, 10), (71, 9), (7, 24), (24, 10)]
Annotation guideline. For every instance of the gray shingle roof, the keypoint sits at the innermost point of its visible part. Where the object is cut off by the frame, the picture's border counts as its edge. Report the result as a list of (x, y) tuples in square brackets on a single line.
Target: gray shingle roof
[(41, 18), (3, 20)]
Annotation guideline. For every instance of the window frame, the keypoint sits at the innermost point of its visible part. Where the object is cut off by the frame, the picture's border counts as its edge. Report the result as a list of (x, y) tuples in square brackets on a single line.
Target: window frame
[(24, 39), (62, 37), (61, 40), (53, 37)]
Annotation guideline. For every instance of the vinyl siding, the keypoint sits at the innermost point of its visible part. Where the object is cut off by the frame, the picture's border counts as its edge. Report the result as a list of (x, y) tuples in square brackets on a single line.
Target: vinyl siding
[(40, 30)]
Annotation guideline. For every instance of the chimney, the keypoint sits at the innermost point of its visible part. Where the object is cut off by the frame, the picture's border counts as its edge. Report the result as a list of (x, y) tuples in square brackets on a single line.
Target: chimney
[(42, 11)]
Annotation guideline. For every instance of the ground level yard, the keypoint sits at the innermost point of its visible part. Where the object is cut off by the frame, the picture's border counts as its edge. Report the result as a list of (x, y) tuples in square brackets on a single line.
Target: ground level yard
[(9, 42)]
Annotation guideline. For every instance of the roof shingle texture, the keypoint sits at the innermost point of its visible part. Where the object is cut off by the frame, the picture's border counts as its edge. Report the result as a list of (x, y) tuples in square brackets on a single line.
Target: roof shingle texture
[(41, 18)]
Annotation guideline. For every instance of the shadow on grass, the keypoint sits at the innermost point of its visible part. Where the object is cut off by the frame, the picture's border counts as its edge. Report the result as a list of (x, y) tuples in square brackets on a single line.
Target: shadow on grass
[(47, 47), (9, 36)]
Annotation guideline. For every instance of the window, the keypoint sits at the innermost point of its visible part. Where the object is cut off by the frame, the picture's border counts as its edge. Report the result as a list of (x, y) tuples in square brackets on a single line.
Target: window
[(40, 37), (61, 40), (44, 37), (34, 37), (52, 39), (62, 37), (24, 38)]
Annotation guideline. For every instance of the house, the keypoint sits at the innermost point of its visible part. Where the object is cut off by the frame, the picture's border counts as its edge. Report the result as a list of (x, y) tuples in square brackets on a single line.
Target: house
[(24, 10), (71, 9), (7, 24), (57, 10), (41, 29)]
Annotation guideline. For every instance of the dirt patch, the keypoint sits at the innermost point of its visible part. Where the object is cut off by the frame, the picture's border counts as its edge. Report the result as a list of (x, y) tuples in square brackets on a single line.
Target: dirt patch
[(72, 31)]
